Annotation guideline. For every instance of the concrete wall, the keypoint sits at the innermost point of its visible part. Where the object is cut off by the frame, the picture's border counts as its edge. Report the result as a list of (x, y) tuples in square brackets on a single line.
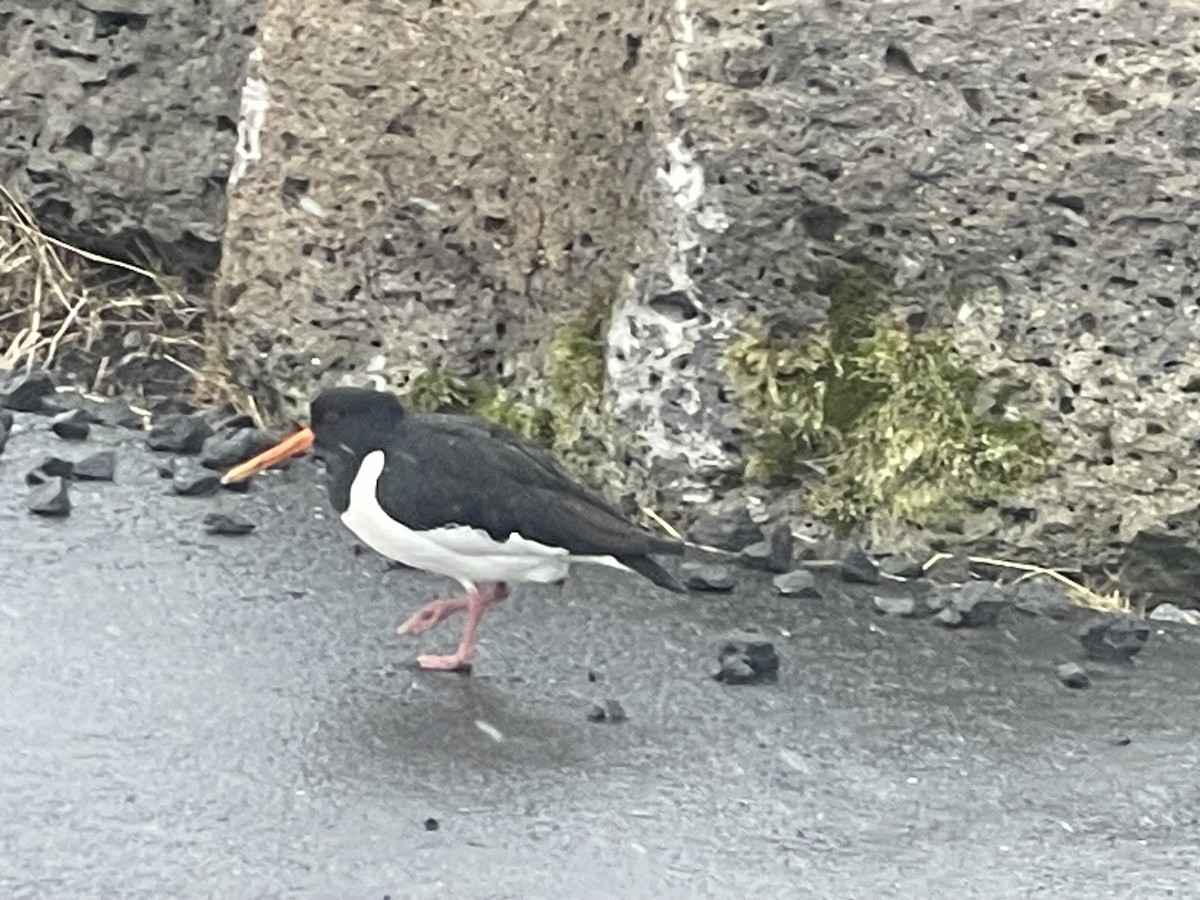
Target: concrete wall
[(438, 184), (1030, 170), (443, 184), (117, 121)]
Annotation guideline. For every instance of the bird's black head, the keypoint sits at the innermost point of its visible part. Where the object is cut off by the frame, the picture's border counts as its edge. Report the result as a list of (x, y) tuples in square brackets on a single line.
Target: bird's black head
[(353, 420)]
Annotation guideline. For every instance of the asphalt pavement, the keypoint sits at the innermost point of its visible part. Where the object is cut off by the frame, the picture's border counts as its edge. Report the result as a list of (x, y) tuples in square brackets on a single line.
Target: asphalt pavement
[(191, 716)]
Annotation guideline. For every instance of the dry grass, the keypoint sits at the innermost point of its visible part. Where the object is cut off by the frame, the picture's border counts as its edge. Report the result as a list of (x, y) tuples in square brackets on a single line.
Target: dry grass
[(1093, 598), (102, 319)]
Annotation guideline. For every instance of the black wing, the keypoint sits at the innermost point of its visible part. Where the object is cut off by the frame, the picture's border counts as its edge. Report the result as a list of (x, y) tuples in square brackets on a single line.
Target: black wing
[(449, 469)]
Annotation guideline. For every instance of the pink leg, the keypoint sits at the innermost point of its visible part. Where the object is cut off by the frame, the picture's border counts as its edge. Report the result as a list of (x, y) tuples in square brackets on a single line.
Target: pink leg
[(432, 613), (477, 602)]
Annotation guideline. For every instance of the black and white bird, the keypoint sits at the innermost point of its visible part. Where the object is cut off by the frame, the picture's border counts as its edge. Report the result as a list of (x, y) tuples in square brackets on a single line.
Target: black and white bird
[(460, 497)]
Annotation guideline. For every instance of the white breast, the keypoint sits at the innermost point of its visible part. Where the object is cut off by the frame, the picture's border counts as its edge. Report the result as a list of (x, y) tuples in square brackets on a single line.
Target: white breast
[(461, 552)]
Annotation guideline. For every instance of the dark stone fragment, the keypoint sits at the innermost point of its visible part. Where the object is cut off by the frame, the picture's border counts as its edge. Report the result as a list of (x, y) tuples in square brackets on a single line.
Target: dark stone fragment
[(100, 466), (596, 713), (771, 555), (904, 607), (71, 425), (51, 467), (235, 422), (117, 414), (227, 448), (172, 406), (858, 568), (166, 468), (178, 433), (747, 658), (616, 712), (797, 583), (227, 524), (1117, 639), (1073, 676), (431, 824), (50, 498), (60, 402), (25, 392), (731, 529), (192, 481), (900, 567), (1157, 567), (713, 577), (238, 487), (977, 604), (949, 570), (1042, 597), (6, 423)]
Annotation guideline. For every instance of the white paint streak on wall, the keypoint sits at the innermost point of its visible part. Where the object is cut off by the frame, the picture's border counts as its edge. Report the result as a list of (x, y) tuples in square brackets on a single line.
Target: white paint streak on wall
[(256, 101), (648, 348)]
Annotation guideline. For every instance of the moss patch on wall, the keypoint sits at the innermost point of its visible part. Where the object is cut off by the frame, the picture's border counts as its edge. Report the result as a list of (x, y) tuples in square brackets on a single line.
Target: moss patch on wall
[(563, 410), (871, 420)]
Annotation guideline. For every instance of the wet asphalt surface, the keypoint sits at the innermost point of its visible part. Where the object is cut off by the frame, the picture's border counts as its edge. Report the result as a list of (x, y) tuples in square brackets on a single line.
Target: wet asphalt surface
[(184, 715)]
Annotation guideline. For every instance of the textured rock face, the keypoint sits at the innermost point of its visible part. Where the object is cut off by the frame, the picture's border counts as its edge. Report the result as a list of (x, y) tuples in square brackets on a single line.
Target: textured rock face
[(117, 121), (436, 185), (441, 186), (1031, 171)]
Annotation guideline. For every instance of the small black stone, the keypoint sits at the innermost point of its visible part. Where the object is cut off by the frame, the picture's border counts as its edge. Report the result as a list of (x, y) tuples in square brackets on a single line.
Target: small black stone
[(904, 607), (71, 401), (25, 392), (6, 423), (235, 421), (178, 433), (949, 570), (771, 555), (900, 567), (100, 466), (431, 824), (1073, 676), (166, 468), (71, 425), (49, 499), (172, 406), (731, 530), (596, 713), (616, 712), (227, 524), (712, 577), (190, 481), (1115, 640), (1042, 597), (747, 658), (797, 583), (118, 414), (229, 447), (50, 467), (976, 604), (858, 568)]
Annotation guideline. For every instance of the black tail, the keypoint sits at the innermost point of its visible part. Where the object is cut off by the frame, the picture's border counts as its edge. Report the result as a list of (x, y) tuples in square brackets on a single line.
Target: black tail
[(648, 568)]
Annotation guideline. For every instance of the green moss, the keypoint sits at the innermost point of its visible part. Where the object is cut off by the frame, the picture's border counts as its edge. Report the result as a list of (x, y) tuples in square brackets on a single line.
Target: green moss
[(435, 390), (871, 420), (563, 411), (575, 376)]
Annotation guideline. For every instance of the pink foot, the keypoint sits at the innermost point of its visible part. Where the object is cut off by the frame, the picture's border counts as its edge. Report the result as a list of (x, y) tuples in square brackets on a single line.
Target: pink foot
[(451, 662), (432, 613), (474, 602)]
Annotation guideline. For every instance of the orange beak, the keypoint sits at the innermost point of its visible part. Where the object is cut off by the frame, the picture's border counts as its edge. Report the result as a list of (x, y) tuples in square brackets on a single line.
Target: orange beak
[(292, 445)]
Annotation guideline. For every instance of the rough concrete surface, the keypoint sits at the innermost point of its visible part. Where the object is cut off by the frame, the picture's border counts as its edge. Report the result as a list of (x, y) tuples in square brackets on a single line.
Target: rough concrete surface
[(438, 185), (187, 715), (118, 121), (1028, 169)]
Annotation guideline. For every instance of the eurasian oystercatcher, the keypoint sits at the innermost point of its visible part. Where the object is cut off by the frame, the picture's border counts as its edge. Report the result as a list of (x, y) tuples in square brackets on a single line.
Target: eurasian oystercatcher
[(461, 497)]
